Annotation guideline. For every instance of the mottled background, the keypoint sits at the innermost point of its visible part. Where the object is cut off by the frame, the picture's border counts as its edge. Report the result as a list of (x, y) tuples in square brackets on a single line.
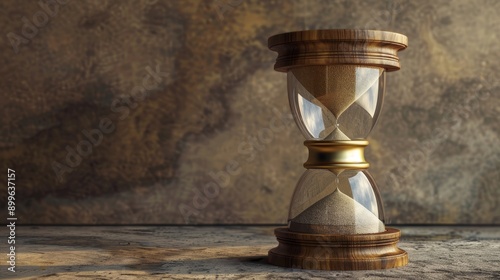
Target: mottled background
[(434, 153)]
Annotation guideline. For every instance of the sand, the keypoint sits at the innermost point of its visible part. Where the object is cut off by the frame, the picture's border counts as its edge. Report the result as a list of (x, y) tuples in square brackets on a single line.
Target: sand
[(333, 89), (339, 214)]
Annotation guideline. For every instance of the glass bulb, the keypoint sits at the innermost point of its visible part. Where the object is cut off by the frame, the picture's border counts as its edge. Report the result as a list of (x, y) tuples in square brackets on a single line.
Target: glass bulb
[(336, 202), (336, 102)]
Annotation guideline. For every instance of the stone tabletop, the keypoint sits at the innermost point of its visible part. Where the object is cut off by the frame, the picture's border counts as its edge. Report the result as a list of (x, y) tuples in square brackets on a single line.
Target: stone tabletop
[(230, 252)]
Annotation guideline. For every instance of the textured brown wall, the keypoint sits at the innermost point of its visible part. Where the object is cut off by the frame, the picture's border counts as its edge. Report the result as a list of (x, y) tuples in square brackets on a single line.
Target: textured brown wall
[(434, 153)]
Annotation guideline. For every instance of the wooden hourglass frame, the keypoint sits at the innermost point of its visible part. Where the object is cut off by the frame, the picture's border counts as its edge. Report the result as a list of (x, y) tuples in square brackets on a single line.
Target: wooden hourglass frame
[(336, 81)]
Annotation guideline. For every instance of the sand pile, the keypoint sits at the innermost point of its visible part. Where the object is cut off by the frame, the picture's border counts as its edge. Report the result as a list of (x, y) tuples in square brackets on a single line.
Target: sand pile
[(337, 213)]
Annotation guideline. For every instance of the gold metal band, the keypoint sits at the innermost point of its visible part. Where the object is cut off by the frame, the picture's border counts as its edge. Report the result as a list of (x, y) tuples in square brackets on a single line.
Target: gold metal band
[(336, 154)]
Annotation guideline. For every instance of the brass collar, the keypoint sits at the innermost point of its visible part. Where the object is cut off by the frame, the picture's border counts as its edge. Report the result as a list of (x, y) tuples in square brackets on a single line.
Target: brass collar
[(342, 154)]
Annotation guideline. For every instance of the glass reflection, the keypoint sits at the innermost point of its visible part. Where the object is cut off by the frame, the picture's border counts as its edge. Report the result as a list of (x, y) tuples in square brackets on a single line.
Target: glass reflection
[(362, 192), (347, 203), (319, 111), (312, 116)]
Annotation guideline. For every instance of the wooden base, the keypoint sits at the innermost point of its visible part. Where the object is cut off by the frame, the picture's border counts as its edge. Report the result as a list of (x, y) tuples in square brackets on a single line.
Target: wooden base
[(338, 252)]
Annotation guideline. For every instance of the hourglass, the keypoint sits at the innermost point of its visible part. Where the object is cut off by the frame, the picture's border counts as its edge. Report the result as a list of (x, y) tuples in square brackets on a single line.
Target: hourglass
[(336, 81)]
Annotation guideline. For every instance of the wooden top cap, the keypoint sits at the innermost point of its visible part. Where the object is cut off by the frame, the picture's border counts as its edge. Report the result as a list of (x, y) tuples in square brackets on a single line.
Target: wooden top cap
[(337, 46)]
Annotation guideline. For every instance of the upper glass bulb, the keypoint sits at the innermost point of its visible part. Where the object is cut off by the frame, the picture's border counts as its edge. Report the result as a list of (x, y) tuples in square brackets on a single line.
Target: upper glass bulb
[(336, 102)]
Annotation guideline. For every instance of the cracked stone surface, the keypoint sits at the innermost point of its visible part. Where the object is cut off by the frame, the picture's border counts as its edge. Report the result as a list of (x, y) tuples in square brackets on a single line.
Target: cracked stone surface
[(232, 252)]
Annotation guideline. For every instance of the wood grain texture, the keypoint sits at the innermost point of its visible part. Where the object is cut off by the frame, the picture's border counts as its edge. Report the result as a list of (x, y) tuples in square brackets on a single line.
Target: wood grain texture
[(338, 46), (338, 252)]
